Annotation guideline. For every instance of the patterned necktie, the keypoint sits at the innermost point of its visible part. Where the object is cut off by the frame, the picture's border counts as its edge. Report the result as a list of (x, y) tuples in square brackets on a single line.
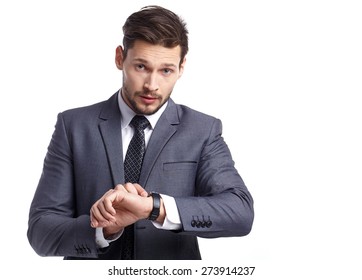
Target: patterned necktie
[(136, 150), (132, 170)]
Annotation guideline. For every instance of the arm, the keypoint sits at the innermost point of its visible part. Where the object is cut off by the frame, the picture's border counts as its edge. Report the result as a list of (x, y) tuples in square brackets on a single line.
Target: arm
[(54, 229), (221, 196)]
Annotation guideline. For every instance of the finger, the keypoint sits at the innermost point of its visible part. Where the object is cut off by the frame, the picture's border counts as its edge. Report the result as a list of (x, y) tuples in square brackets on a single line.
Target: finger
[(130, 188), (141, 191), (93, 220), (102, 211), (105, 206), (119, 187), (99, 207), (97, 218), (102, 215), (116, 197)]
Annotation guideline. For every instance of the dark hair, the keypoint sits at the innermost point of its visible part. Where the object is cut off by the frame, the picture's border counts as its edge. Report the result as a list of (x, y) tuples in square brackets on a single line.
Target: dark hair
[(156, 25)]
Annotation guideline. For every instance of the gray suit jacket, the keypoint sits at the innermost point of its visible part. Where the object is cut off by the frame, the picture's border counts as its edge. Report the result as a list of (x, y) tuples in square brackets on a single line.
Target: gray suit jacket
[(186, 158)]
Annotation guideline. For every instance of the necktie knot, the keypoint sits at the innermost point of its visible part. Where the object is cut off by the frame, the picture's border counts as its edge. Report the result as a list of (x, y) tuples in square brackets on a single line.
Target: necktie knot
[(139, 122)]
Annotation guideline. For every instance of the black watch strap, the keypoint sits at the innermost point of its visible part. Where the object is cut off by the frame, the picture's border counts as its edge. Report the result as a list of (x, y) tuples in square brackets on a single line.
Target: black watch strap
[(156, 206)]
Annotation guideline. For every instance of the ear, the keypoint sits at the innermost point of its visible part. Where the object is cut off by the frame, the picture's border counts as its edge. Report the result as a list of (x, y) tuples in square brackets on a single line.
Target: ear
[(119, 58), (182, 66)]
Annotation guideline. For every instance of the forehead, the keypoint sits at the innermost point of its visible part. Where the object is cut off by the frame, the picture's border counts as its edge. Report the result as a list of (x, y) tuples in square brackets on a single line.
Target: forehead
[(154, 54)]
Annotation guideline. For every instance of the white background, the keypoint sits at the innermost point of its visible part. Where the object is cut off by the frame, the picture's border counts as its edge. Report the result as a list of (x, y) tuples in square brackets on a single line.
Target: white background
[(286, 74)]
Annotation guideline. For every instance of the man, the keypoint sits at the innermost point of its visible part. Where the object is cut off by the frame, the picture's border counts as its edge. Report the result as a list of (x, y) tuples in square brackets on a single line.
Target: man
[(138, 176)]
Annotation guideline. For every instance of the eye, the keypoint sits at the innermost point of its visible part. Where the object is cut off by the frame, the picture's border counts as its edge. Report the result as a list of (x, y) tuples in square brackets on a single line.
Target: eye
[(167, 71), (140, 67)]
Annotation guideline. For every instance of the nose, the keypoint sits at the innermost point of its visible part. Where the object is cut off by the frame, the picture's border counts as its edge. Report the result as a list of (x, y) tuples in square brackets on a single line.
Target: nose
[(151, 83)]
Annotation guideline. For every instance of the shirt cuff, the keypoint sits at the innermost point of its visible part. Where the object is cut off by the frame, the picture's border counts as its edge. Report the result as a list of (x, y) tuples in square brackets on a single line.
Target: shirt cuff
[(172, 220), (103, 242)]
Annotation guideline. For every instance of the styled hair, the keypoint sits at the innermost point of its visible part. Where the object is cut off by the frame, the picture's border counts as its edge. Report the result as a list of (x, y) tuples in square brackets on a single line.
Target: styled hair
[(158, 26)]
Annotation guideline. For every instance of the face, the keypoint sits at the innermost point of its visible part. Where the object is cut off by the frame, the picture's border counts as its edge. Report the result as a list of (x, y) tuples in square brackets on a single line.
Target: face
[(150, 73)]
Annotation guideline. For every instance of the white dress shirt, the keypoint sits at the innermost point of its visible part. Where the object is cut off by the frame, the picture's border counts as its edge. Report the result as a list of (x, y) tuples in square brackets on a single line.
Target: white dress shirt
[(172, 220)]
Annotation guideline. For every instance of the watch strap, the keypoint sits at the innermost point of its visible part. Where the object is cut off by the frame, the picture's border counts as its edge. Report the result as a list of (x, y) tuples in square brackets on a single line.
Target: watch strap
[(156, 206)]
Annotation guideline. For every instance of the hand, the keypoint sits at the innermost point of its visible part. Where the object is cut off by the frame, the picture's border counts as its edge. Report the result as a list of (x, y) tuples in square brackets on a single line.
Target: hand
[(120, 207)]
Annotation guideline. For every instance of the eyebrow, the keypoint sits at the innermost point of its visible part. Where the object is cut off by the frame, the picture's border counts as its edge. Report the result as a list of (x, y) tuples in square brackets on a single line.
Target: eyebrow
[(141, 60)]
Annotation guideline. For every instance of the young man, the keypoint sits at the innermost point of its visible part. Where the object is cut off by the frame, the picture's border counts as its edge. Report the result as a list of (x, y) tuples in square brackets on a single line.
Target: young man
[(138, 176)]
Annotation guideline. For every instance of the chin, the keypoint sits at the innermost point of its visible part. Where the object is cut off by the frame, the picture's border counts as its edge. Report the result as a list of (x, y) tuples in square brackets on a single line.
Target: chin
[(149, 112), (145, 111)]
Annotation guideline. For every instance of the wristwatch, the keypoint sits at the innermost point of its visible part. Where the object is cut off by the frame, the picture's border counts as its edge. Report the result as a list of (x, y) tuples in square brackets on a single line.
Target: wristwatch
[(156, 206)]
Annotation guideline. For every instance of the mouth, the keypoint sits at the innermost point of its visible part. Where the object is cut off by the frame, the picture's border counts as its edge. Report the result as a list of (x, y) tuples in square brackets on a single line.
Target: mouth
[(148, 99)]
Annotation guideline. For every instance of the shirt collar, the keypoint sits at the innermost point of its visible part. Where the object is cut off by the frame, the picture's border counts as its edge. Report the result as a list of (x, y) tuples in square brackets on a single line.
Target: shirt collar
[(127, 113)]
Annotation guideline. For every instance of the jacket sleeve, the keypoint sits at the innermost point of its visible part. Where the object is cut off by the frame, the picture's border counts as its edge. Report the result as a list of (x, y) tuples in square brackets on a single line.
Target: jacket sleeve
[(222, 205), (54, 229)]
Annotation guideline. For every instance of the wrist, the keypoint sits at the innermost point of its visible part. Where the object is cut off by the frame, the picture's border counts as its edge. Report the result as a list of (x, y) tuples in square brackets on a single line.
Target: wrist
[(110, 231), (162, 211), (161, 217), (156, 205)]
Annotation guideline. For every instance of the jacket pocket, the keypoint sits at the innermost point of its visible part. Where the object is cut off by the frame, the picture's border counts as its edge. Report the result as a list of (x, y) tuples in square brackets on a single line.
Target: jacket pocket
[(180, 165)]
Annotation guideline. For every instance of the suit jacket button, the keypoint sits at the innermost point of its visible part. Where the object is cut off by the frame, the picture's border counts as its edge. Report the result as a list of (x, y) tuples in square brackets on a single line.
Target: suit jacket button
[(193, 223)]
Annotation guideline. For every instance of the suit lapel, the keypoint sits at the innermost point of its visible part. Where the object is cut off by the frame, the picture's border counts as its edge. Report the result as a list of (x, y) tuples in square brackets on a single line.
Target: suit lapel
[(165, 128), (110, 129)]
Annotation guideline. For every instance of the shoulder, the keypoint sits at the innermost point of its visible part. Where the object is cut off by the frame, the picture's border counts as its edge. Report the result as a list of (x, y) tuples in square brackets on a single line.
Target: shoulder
[(196, 121), (94, 112), (186, 113), (194, 117), (84, 111)]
